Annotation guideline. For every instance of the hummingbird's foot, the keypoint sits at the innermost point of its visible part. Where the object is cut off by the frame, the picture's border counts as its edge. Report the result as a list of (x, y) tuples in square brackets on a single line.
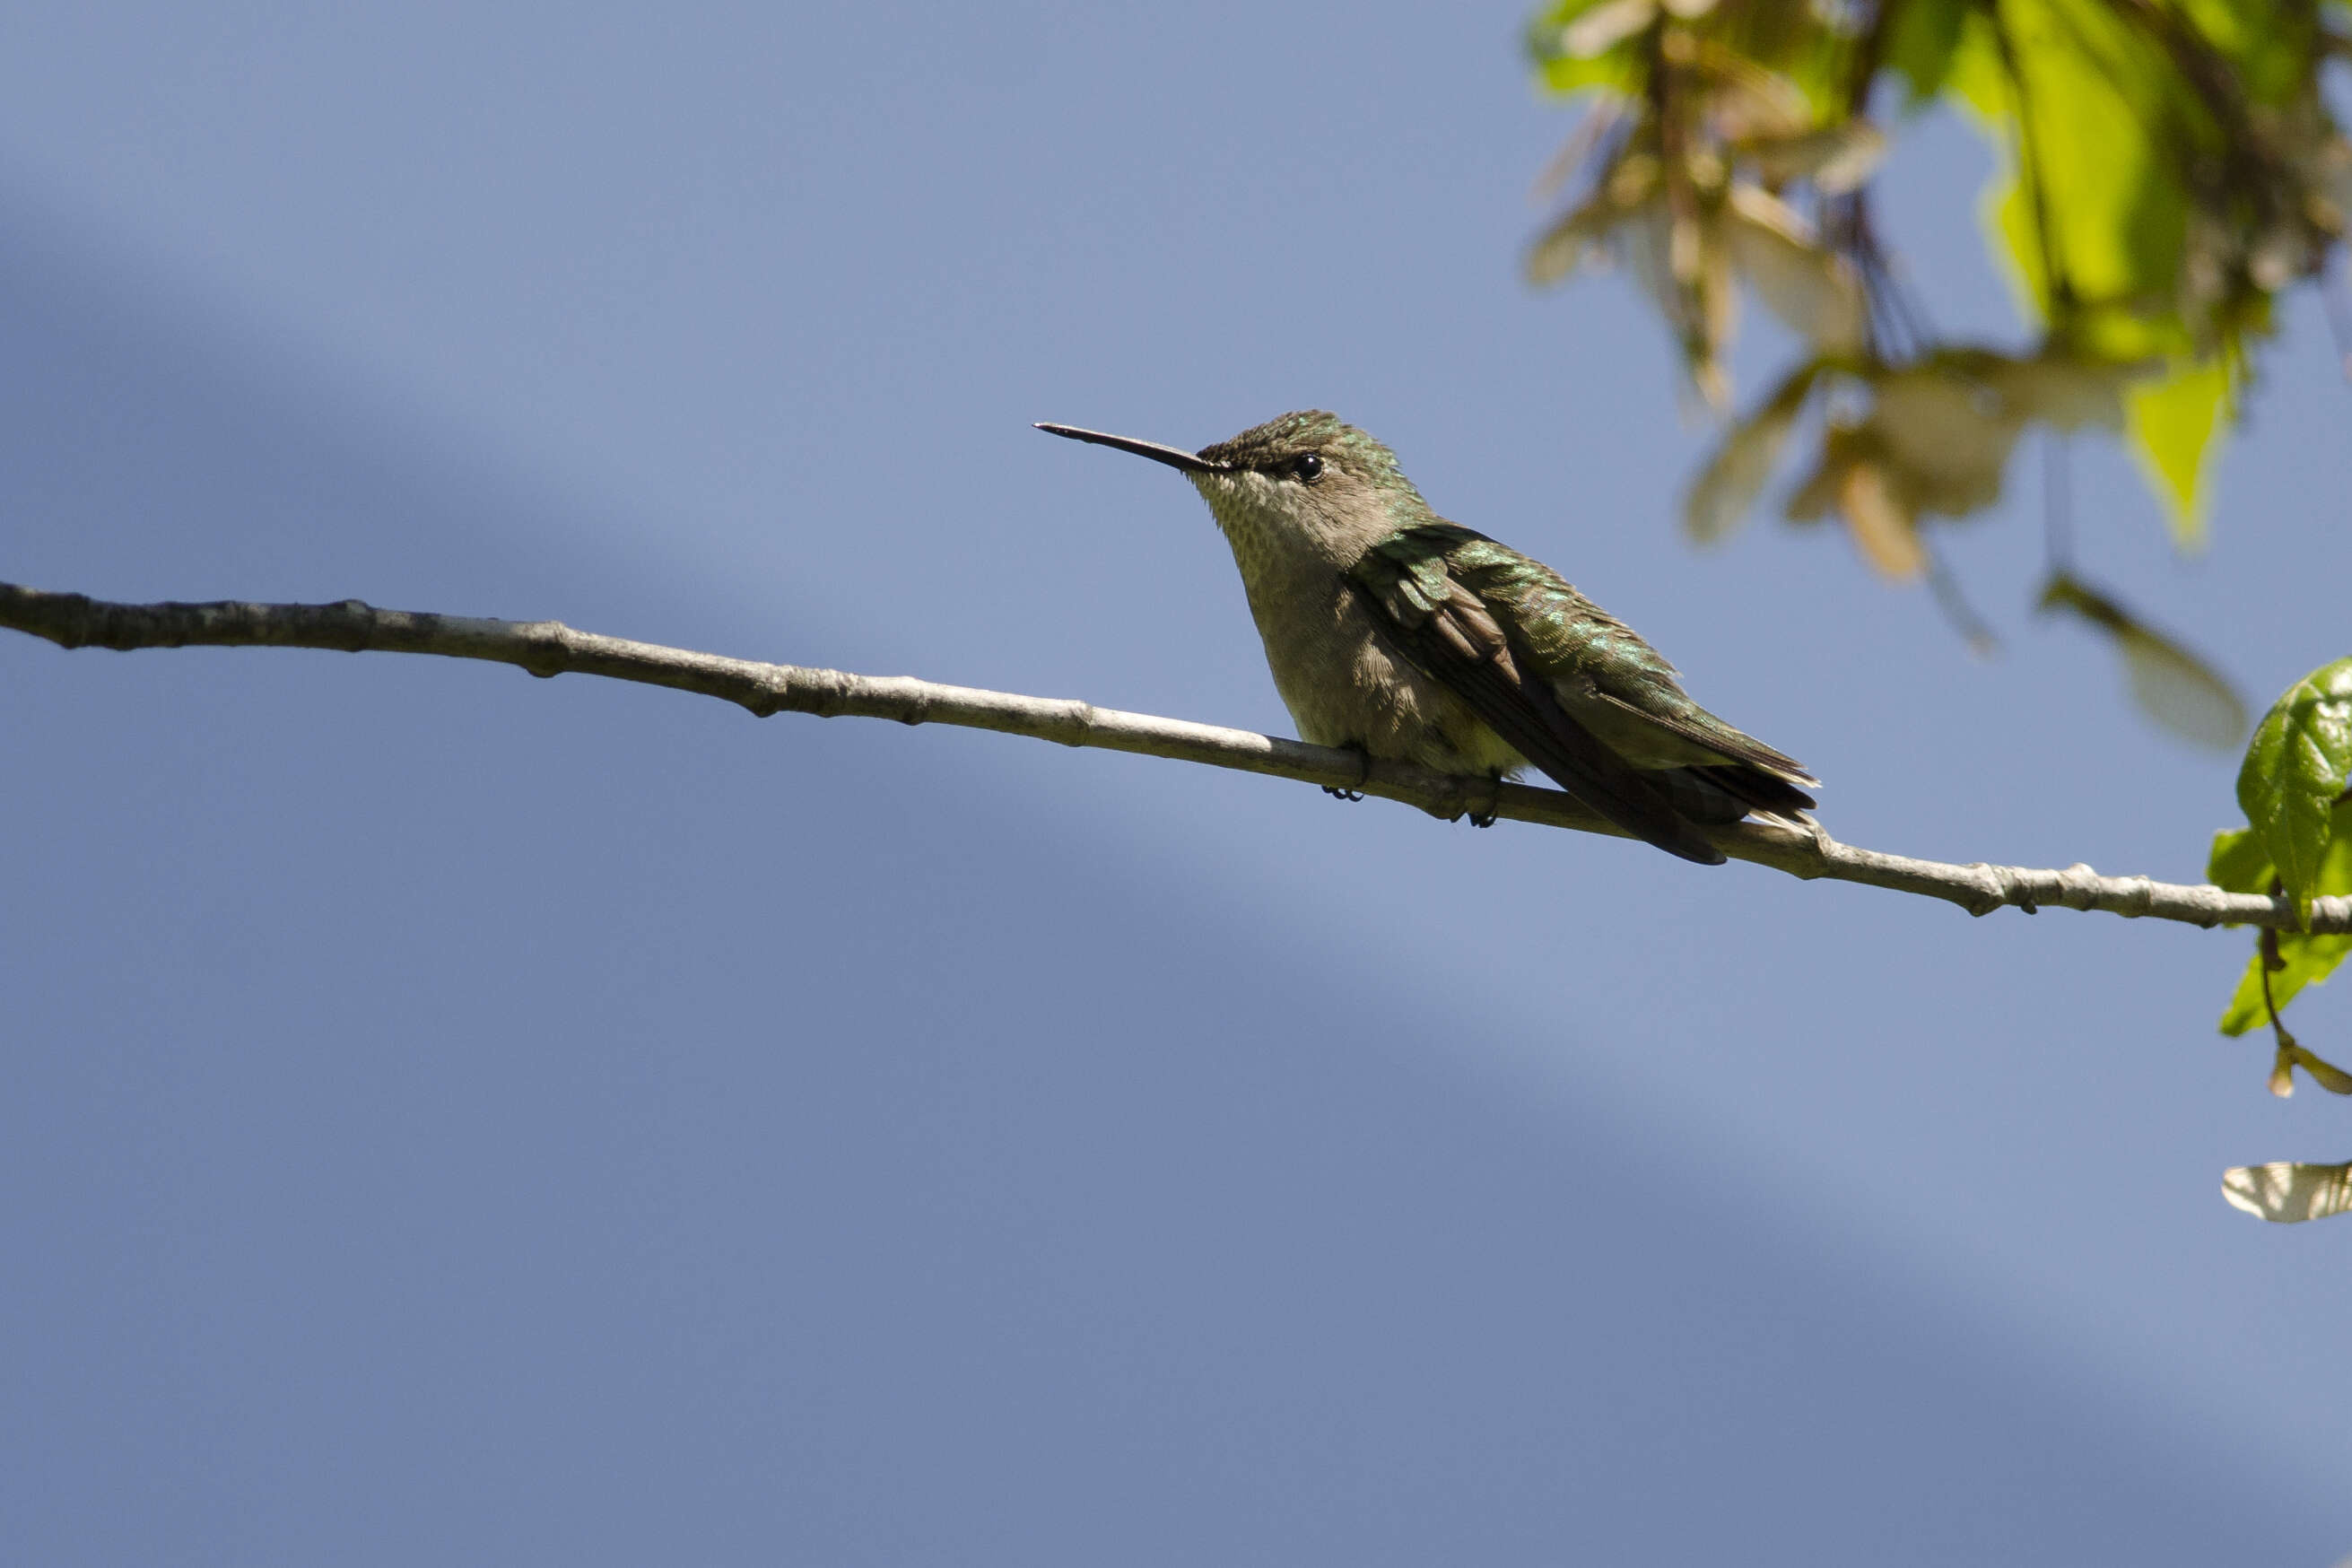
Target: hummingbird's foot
[(1363, 772), (1493, 805)]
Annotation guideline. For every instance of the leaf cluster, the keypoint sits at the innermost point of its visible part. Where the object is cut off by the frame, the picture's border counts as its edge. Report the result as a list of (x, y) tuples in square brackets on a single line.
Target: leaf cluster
[(2165, 169), (2295, 788)]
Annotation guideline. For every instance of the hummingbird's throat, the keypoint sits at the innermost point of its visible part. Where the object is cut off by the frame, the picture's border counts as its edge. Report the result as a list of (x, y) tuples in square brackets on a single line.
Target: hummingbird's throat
[(1278, 529)]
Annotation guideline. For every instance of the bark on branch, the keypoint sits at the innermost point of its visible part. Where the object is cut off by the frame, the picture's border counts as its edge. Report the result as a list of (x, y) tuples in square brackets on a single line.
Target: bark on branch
[(551, 647)]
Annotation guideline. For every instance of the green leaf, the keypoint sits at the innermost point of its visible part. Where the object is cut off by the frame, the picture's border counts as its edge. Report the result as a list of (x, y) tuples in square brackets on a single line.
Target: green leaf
[(2239, 863), (1581, 45), (2108, 131), (2176, 425), (2106, 121), (1921, 42), (2294, 771), (2270, 46), (2310, 959), (2245, 1009)]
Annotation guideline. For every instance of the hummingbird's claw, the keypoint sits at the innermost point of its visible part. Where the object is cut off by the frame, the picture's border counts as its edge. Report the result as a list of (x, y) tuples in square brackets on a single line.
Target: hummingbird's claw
[(1493, 805), (1363, 772)]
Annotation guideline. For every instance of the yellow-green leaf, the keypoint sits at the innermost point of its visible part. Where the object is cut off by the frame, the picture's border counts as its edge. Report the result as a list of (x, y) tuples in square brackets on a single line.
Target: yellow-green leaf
[(2176, 423), (1581, 45), (2310, 959)]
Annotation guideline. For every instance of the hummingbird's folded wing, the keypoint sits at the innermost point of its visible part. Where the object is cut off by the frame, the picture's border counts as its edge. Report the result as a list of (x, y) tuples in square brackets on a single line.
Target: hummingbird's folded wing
[(1447, 633), (1619, 687)]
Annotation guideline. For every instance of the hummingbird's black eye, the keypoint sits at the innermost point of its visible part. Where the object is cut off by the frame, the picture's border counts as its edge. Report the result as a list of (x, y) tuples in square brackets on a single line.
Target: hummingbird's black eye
[(1308, 467)]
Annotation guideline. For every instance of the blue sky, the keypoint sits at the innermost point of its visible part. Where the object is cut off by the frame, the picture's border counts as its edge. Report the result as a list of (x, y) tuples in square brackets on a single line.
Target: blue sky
[(459, 1117)]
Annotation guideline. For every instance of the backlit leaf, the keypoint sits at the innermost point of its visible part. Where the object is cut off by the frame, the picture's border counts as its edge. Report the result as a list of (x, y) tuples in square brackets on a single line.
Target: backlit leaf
[(1835, 158), (1946, 433), (1880, 521), (1742, 466), (2176, 433), (1816, 293), (2061, 389), (2310, 959), (2181, 692), (2285, 1194), (1604, 26), (2103, 118), (1575, 54), (2172, 685)]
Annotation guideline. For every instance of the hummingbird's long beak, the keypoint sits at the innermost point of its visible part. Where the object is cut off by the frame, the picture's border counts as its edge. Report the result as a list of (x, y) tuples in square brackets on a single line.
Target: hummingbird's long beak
[(1175, 457)]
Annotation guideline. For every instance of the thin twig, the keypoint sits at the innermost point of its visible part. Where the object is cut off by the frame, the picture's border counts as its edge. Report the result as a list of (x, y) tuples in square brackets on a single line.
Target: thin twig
[(551, 647), (2057, 506), (1953, 600), (2054, 275), (2267, 946)]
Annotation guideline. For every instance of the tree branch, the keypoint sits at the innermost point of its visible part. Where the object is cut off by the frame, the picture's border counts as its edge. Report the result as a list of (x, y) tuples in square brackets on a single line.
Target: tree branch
[(550, 647)]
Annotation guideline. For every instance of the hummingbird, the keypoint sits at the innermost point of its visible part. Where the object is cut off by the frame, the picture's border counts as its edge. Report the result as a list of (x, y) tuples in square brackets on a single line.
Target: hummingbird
[(1397, 634)]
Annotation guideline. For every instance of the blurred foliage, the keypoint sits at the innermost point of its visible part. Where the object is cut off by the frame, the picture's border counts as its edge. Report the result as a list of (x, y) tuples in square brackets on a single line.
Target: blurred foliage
[(2165, 169), (2166, 678), (2287, 1193), (2298, 842)]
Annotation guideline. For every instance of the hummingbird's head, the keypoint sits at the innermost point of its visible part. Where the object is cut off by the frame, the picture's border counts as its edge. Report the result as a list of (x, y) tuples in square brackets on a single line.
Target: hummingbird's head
[(1302, 473)]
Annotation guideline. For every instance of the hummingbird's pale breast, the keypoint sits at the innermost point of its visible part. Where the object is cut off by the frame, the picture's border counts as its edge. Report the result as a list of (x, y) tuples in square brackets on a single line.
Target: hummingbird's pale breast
[(1342, 682)]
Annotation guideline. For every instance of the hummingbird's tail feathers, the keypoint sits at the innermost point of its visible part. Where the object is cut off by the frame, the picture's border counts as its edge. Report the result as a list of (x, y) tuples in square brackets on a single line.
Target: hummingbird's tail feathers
[(1719, 797), (1757, 790), (1702, 800), (1701, 728)]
